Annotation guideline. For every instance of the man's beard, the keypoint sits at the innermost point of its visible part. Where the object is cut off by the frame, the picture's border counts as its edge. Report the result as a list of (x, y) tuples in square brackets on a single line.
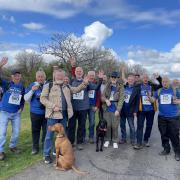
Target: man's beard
[(59, 81)]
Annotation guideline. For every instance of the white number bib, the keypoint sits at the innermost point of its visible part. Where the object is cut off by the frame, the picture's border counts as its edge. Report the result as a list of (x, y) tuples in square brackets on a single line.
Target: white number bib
[(165, 99), (79, 96), (126, 98), (91, 93), (145, 100), (15, 99), (112, 96)]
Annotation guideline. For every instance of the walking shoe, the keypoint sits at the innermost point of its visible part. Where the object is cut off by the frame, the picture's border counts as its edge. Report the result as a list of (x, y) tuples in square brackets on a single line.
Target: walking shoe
[(122, 141), (146, 144), (132, 143), (164, 152), (15, 150), (91, 140), (47, 160), (54, 154), (115, 145), (79, 147), (177, 156), (34, 151), (138, 147), (106, 144), (2, 156)]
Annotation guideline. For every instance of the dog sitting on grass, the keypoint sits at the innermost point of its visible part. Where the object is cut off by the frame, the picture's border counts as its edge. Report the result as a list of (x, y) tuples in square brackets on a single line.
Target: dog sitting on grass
[(100, 134)]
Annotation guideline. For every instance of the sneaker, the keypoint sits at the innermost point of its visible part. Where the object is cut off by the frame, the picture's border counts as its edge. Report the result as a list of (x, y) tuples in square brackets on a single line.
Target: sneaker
[(15, 150), (115, 145), (122, 141), (106, 144), (79, 147), (177, 156), (2, 156), (54, 154), (164, 152), (91, 140), (146, 144), (34, 152), (138, 147), (47, 160)]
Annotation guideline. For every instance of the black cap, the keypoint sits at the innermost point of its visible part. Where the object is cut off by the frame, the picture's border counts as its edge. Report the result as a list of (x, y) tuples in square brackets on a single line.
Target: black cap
[(15, 71), (115, 74)]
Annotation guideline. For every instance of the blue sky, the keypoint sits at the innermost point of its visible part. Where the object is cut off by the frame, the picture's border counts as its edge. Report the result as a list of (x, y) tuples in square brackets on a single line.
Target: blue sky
[(137, 30)]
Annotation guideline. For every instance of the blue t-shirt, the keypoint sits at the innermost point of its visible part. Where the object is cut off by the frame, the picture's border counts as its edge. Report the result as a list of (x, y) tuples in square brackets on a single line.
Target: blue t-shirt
[(13, 97), (178, 91), (165, 100), (146, 104), (35, 104), (112, 107)]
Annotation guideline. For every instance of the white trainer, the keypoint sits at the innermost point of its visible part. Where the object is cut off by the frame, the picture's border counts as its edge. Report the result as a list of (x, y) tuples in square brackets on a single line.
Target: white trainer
[(106, 144), (115, 145)]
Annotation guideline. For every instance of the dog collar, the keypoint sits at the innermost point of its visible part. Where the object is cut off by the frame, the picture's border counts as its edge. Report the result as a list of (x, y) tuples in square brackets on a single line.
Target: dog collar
[(60, 135)]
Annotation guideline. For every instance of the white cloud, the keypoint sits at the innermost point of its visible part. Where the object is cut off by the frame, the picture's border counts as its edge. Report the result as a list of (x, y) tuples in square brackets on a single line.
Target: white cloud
[(96, 33), (33, 26), (119, 9), (8, 18), (165, 63), (58, 8)]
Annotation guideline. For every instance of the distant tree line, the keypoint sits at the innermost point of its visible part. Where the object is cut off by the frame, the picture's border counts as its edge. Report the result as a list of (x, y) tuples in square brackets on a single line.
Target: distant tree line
[(65, 47)]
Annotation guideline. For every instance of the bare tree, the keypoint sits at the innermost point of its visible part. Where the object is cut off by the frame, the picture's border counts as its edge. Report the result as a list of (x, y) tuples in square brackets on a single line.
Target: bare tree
[(65, 46), (28, 63)]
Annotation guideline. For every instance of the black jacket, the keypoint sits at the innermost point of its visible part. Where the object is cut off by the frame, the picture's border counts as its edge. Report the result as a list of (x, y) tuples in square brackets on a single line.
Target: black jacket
[(133, 101)]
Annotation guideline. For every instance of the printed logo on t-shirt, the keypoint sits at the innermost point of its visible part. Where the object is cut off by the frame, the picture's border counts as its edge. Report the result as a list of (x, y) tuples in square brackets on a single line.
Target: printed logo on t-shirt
[(15, 99), (91, 94), (165, 99), (112, 96), (79, 96), (145, 100), (126, 98)]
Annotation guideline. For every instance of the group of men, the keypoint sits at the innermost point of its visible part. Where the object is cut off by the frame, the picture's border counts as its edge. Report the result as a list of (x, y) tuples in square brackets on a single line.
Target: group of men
[(70, 101)]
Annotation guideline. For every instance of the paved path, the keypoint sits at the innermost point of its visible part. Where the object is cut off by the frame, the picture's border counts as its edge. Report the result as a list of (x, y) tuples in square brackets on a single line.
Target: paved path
[(122, 164)]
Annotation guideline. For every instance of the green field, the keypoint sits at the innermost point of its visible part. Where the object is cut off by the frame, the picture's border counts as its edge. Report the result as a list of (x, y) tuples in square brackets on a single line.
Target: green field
[(15, 163)]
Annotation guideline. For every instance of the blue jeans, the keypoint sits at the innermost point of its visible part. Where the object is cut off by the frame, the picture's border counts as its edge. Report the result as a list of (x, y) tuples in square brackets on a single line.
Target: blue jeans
[(15, 119), (141, 116), (130, 120), (91, 117), (50, 134)]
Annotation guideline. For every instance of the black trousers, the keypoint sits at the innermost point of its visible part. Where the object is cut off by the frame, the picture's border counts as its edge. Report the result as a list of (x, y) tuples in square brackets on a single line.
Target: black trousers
[(141, 116), (81, 117), (38, 122), (169, 130)]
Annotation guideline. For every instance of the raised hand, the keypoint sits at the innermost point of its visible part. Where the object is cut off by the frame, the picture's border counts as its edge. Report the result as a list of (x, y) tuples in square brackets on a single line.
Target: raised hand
[(101, 74), (72, 61), (155, 75), (86, 79), (3, 61)]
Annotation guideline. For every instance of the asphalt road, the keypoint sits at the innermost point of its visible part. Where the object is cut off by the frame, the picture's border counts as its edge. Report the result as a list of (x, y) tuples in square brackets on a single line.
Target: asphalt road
[(124, 163)]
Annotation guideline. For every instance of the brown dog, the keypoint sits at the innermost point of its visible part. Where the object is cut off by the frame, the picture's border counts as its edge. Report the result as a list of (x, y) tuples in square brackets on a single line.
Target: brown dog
[(64, 152)]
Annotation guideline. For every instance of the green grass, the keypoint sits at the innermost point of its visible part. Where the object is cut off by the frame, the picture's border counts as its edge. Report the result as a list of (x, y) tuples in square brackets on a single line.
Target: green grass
[(15, 163)]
